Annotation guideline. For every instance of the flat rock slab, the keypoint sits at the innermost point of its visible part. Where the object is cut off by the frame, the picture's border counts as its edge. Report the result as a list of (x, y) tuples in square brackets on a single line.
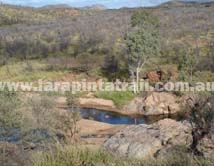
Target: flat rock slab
[(97, 103), (146, 141), (98, 129), (88, 127)]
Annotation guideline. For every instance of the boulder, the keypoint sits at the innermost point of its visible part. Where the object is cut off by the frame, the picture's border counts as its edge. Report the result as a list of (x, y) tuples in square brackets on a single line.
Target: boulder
[(160, 104), (160, 75), (134, 106), (145, 141), (155, 104), (206, 146), (153, 76)]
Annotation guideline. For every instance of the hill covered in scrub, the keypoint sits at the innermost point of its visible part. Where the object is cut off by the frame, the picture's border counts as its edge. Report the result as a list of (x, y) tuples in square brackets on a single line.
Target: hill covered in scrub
[(62, 31), (52, 24)]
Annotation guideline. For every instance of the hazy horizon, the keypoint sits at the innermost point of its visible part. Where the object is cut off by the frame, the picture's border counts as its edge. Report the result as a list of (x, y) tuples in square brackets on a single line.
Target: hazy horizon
[(112, 4)]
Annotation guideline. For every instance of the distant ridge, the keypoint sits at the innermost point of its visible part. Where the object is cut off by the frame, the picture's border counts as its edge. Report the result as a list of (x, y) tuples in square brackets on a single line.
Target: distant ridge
[(186, 2), (98, 7), (56, 6), (197, 1), (95, 7), (173, 3), (61, 6)]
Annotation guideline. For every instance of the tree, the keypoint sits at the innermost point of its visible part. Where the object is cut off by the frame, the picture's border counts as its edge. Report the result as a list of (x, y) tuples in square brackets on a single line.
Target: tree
[(142, 17), (67, 121), (200, 110), (207, 62), (187, 62), (142, 44)]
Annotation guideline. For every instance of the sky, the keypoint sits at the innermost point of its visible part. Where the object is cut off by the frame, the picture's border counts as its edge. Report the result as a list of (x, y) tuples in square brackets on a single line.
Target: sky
[(82, 3)]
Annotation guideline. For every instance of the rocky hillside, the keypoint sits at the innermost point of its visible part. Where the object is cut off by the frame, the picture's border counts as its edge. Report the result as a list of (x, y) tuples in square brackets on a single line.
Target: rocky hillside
[(54, 26)]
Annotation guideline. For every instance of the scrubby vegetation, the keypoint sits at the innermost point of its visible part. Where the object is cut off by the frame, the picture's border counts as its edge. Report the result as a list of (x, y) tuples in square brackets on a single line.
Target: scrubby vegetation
[(73, 156), (46, 32), (201, 113), (32, 124), (164, 43), (10, 118)]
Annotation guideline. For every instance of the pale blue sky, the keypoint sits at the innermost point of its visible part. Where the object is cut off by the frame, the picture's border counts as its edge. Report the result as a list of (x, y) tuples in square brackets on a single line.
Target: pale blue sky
[(81, 3)]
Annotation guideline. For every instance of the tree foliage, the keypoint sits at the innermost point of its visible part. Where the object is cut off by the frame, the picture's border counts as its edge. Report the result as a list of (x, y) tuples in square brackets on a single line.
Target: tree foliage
[(187, 63), (144, 18), (142, 44)]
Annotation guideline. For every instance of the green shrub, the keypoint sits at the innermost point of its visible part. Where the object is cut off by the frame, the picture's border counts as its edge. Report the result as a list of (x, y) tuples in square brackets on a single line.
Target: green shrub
[(119, 98), (205, 76)]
